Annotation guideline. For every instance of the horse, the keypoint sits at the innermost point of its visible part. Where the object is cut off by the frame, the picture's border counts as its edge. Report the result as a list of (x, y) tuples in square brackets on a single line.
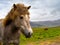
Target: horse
[(45, 29), (16, 21)]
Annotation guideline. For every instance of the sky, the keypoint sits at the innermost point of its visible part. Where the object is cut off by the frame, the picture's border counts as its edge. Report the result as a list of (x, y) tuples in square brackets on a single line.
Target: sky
[(41, 10)]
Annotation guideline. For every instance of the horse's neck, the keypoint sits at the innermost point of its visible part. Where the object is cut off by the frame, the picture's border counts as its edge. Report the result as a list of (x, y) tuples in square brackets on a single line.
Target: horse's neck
[(12, 28), (9, 27)]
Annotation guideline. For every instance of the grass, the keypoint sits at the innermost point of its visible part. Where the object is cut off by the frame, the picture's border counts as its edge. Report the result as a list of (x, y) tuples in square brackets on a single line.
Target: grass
[(40, 35)]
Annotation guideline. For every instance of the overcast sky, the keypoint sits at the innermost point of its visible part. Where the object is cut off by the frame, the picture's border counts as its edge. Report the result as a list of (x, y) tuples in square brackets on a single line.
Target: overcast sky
[(41, 10)]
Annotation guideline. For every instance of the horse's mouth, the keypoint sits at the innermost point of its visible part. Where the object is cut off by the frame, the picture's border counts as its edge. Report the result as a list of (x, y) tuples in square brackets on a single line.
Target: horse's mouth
[(28, 36)]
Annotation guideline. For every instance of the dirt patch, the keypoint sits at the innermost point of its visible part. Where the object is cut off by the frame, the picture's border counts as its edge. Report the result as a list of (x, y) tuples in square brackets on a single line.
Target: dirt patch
[(50, 43), (31, 43), (55, 41)]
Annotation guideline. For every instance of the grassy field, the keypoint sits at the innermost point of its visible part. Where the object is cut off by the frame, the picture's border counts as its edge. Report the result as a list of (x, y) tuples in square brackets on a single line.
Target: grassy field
[(40, 35)]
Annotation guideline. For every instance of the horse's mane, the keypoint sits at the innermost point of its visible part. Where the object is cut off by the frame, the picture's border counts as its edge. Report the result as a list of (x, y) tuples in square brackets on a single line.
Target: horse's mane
[(8, 18)]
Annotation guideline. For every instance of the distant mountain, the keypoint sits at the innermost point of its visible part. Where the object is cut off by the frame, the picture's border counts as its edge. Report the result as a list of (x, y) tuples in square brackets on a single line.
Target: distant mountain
[(46, 23), (35, 24)]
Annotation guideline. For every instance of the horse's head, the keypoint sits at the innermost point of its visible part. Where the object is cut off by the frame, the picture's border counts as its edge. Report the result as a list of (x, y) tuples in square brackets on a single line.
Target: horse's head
[(21, 14)]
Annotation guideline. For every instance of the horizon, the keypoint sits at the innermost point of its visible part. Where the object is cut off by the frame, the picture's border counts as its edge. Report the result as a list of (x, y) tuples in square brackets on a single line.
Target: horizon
[(41, 10)]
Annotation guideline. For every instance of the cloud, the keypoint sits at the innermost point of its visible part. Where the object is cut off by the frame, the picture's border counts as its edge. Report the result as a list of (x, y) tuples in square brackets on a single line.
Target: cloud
[(5, 6), (41, 10), (46, 10)]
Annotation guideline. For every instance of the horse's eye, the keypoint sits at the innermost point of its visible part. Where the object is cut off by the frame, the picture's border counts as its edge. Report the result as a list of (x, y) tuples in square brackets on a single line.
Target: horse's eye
[(21, 17)]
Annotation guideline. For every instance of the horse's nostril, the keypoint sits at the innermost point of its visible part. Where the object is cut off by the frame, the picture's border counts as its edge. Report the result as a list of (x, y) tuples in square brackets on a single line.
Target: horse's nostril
[(29, 33)]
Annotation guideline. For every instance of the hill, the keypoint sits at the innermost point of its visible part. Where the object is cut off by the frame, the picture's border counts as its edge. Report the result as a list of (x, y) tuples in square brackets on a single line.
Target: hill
[(45, 23)]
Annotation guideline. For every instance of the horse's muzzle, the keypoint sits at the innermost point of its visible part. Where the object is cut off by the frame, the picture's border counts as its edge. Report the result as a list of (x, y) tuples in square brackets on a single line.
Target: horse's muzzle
[(29, 35)]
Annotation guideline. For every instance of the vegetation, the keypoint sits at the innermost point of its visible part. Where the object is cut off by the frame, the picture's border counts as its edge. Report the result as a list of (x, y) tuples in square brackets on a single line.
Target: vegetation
[(40, 35)]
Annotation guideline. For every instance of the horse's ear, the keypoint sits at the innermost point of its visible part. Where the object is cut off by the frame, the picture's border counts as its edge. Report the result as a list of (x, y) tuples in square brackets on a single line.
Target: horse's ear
[(14, 6), (28, 7)]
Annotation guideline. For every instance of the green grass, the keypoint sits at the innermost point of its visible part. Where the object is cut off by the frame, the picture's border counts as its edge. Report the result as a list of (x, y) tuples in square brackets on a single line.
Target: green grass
[(40, 34)]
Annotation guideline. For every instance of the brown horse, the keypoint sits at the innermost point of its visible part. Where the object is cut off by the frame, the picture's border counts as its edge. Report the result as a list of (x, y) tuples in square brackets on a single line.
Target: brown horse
[(15, 22)]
